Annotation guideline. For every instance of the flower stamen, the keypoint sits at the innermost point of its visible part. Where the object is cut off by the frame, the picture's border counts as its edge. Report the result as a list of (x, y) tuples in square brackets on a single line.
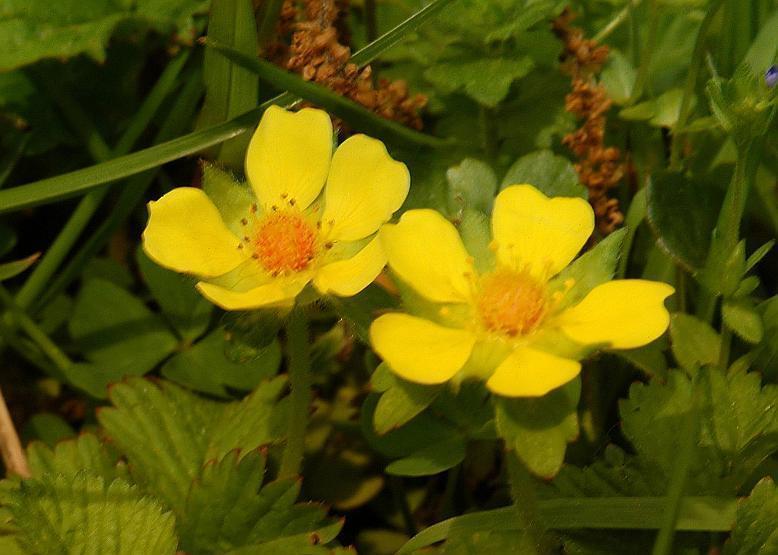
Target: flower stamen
[(510, 303), (285, 242)]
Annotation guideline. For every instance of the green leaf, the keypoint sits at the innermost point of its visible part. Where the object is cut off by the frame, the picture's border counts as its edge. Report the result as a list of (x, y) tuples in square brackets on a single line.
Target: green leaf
[(589, 270), (186, 310), (755, 532), (84, 514), (529, 14), (47, 427), (694, 342), (68, 458), (205, 367), (16, 267), (763, 50), (167, 433), (228, 508), (683, 214), (400, 401), (433, 459), (618, 77), (539, 429), (743, 319), (766, 353), (553, 175), (485, 80), (661, 112), (232, 197), (73, 27), (230, 90), (471, 185), (116, 331), (361, 309)]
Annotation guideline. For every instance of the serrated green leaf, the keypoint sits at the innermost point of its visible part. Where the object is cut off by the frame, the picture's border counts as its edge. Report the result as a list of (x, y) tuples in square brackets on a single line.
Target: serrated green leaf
[(186, 310), (694, 342), (69, 458), (232, 197), (400, 402), (228, 508), (117, 332), (553, 175), (589, 270), (539, 429), (755, 532), (205, 367), (361, 309), (743, 319), (486, 80), (472, 185), (84, 514), (433, 459)]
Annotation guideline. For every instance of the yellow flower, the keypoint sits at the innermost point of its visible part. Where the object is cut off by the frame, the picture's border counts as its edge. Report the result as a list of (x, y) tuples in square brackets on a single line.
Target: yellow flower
[(511, 324), (262, 249)]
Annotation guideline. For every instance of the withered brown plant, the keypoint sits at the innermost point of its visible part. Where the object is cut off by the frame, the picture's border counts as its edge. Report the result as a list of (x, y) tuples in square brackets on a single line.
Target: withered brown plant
[(599, 167)]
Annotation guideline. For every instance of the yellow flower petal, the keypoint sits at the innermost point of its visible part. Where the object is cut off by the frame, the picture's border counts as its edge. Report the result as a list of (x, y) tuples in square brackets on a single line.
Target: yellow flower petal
[(348, 277), (419, 350), (539, 233), (425, 250), (185, 233), (364, 188), (530, 373), (289, 156), (623, 313), (280, 292)]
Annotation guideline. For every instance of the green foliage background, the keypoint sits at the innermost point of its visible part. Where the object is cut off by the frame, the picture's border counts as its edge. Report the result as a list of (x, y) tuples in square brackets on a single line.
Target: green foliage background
[(154, 423)]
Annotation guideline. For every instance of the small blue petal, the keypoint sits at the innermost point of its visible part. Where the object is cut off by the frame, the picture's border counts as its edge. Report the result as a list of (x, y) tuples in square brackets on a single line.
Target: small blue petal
[(771, 76)]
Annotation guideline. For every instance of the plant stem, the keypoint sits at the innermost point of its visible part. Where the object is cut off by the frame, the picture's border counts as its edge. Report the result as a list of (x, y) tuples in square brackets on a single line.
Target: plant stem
[(646, 54), (299, 367), (10, 447), (688, 437), (726, 345), (614, 23), (691, 81), (398, 494)]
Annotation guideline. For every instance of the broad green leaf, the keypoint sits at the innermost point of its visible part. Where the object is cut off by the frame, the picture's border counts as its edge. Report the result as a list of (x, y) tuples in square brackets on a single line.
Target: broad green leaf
[(73, 27), (539, 429), (86, 514), (743, 319), (553, 175), (186, 310), (755, 532), (16, 267), (694, 342), (762, 51), (433, 459), (163, 431), (167, 433), (485, 80), (589, 270), (229, 508), (649, 359), (527, 15), (475, 229), (48, 428), (400, 402), (116, 331), (205, 367), (471, 185), (661, 112), (618, 77), (83, 454), (683, 214)]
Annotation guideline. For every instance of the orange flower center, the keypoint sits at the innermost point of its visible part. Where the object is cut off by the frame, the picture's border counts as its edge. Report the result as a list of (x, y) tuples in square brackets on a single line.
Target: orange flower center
[(511, 303), (284, 242)]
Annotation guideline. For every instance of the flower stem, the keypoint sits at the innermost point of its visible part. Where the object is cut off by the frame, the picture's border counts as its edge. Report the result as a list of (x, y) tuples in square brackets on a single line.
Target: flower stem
[(11, 449), (299, 361), (525, 502)]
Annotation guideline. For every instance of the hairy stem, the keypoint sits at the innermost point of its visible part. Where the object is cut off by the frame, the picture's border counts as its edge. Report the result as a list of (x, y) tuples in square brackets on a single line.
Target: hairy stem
[(299, 361)]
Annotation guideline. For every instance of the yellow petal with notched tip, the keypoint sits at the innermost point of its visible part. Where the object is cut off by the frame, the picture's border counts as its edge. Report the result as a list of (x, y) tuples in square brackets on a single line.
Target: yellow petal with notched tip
[(289, 156), (185, 233), (539, 233), (425, 251), (531, 373), (624, 314), (419, 350), (280, 292), (364, 188), (350, 276)]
